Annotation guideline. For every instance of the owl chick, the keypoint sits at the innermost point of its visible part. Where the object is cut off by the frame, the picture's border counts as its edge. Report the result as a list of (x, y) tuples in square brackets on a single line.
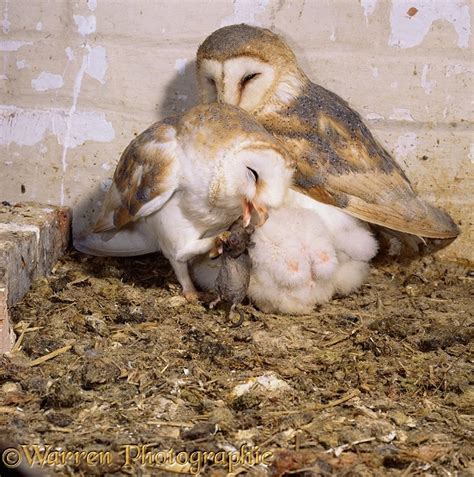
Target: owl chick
[(183, 181), (338, 160), (298, 261), (301, 257)]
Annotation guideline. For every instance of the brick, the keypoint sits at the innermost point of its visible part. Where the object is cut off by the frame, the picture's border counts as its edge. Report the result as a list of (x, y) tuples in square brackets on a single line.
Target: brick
[(7, 337), (32, 238)]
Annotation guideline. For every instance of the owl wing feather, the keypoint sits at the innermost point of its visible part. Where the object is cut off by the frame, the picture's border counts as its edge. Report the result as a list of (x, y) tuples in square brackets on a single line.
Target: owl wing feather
[(340, 163), (145, 178)]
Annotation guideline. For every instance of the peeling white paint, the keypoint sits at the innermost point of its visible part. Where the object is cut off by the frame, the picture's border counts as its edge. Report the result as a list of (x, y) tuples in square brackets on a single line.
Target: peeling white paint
[(70, 115), (106, 166), (394, 84), (425, 83), (375, 72), (39, 26), (97, 63), (27, 127), (369, 8), (246, 11), (13, 45), (408, 31), (406, 144), (69, 53), (456, 69), (471, 152), (85, 25), (46, 81), (105, 184), (5, 21), (92, 5), (448, 101), (333, 34), (20, 64), (401, 114), (180, 65), (374, 117)]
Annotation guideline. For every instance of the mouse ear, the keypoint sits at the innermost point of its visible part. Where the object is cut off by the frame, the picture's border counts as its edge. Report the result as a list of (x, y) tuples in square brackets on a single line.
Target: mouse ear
[(251, 245), (250, 229)]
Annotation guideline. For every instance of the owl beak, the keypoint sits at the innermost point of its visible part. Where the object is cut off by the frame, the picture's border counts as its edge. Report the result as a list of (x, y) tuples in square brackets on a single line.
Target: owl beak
[(262, 213), (248, 207)]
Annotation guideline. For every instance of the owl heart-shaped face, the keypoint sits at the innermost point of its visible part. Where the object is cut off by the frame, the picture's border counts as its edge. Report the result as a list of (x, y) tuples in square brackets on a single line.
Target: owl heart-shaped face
[(240, 81), (248, 67)]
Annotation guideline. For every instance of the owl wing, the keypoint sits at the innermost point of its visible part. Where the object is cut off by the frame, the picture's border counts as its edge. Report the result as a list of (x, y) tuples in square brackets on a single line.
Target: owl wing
[(340, 163), (145, 178)]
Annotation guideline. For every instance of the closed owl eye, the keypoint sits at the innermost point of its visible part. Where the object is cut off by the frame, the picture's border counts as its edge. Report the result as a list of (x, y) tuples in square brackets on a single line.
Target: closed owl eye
[(253, 173), (248, 78), (212, 83), (211, 89)]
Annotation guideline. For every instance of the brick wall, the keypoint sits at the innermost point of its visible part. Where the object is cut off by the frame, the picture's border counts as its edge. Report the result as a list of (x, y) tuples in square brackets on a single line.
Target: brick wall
[(80, 78)]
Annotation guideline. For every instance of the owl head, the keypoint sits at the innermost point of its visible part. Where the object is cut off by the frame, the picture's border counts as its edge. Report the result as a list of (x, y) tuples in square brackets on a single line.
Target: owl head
[(247, 166), (249, 67), (259, 169)]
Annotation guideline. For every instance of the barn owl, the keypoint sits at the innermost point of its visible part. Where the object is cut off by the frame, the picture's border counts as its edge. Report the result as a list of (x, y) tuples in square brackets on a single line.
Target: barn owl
[(338, 161), (300, 258), (183, 181)]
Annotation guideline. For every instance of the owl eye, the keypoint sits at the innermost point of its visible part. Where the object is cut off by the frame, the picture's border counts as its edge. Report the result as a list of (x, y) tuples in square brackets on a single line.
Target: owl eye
[(212, 89), (253, 173), (212, 83), (248, 78)]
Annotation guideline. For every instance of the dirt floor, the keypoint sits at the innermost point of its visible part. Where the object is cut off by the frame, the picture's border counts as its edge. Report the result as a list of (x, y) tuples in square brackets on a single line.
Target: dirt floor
[(378, 383)]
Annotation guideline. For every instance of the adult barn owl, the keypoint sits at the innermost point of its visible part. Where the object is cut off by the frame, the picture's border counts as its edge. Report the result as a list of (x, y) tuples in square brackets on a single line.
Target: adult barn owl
[(185, 180), (338, 161)]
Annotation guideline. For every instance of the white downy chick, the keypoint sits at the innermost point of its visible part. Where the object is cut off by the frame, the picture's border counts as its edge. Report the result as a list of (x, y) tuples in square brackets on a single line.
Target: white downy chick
[(302, 257), (352, 238), (293, 261)]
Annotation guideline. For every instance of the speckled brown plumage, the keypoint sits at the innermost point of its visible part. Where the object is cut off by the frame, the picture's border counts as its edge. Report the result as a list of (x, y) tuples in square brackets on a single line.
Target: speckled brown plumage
[(138, 189), (244, 40), (143, 168), (338, 160)]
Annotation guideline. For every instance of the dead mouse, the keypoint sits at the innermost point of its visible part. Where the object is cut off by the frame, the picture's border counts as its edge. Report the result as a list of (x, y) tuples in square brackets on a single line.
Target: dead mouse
[(233, 279)]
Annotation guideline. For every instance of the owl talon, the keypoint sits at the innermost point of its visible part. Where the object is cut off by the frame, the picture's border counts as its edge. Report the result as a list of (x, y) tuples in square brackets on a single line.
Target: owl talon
[(192, 297), (218, 244), (198, 297)]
